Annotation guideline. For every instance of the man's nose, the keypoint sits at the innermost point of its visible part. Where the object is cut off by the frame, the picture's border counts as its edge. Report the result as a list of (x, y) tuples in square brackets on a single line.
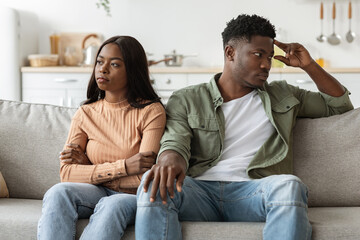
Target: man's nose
[(266, 63)]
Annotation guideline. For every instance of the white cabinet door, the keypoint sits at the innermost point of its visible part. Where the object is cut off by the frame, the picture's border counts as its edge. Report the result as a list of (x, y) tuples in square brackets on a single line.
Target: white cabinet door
[(64, 89), (301, 80), (75, 97), (166, 84), (46, 96), (352, 82), (197, 78), (169, 81)]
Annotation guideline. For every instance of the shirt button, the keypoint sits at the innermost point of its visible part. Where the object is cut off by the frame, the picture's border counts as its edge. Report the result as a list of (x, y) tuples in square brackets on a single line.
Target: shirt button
[(109, 174), (119, 173), (99, 176), (287, 107)]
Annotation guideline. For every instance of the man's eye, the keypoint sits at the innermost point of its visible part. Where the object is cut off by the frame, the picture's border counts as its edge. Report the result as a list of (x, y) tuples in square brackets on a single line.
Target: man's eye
[(257, 54)]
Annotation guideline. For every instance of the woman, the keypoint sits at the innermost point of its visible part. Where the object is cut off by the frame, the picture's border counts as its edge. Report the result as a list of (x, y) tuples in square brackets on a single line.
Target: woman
[(113, 139)]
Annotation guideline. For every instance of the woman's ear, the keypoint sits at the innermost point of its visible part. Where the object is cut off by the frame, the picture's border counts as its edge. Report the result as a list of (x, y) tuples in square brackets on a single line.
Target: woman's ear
[(229, 53)]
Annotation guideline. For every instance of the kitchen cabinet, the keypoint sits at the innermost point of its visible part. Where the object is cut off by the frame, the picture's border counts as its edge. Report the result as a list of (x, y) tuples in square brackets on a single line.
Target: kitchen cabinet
[(67, 86), (166, 84), (64, 89)]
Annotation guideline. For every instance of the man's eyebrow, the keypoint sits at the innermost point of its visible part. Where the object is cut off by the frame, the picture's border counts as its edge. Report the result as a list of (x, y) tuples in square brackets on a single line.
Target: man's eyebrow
[(263, 50)]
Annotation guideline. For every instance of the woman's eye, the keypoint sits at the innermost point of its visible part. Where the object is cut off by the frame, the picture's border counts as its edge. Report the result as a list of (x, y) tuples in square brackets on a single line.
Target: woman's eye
[(98, 62), (114, 64)]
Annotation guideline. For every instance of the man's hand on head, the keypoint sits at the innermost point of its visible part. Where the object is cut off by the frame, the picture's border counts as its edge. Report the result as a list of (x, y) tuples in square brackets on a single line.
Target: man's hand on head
[(296, 54), (170, 166)]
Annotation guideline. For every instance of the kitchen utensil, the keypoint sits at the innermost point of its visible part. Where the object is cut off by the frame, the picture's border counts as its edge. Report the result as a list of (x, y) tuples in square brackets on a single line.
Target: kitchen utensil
[(90, 51), (322, 37), (334, 39), (153, 62), (350, 35), (176, 60)]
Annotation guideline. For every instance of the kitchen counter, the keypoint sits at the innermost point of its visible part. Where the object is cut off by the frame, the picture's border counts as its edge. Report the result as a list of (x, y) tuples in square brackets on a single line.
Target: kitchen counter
[(63, 69)]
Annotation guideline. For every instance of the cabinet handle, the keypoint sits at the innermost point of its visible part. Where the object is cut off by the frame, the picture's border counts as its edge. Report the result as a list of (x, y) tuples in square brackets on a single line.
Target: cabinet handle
[(303, 81), (168, 81), (64, 80)]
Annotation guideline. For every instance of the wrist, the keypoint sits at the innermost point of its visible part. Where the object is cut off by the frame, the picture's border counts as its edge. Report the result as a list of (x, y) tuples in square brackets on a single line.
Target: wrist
[(311, 65), (170, 157)]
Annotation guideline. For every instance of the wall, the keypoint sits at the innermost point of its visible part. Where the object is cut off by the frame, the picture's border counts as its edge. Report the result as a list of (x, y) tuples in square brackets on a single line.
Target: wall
[(195, 26)]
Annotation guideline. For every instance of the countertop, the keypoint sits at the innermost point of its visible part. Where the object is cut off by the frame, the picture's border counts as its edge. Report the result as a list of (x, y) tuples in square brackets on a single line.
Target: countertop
[(178, 70)]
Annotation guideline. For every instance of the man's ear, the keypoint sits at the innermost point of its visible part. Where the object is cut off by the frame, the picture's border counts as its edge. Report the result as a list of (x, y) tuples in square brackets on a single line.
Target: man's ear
[(229, 53)]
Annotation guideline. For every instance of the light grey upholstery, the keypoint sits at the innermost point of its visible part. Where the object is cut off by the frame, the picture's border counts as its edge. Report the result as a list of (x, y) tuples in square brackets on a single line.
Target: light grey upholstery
[(326, 158)]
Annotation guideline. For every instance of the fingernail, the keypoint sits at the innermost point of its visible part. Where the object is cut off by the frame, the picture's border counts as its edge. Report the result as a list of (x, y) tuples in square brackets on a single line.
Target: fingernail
[(164, 202), (151, 200)]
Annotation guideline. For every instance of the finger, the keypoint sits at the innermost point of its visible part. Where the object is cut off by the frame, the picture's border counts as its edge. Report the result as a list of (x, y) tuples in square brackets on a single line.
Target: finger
[(163, 182), (148, 160), (66, 160), (147, 164), (282, 59), (170, 183), (281, 45), (64, 156), (68, 150), (147, 180), (180, 182), (73, 145), (155, 186)]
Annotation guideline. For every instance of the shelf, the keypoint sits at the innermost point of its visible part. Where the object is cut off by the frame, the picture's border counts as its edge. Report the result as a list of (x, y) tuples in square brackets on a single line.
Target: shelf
[(196, 70)]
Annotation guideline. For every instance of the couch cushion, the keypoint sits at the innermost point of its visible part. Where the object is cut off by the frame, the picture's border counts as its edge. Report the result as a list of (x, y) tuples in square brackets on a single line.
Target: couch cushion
[(3, 188), (19, 217), (326, 158), (32, 135)]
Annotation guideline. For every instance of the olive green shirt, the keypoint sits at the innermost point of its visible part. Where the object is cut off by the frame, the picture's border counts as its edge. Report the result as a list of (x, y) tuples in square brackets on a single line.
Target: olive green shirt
[(195, 125)]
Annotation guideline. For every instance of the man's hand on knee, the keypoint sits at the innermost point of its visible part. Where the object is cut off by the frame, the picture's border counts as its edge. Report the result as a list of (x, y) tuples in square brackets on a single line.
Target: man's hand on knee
[(170, 166)]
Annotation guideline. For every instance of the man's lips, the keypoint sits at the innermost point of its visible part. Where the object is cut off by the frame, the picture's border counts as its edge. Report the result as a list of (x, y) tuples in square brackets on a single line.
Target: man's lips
[(263, 76)]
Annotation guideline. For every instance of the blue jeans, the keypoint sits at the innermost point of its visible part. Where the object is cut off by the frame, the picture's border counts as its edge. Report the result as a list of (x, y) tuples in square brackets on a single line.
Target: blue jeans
[(109, 211), (279, 200)]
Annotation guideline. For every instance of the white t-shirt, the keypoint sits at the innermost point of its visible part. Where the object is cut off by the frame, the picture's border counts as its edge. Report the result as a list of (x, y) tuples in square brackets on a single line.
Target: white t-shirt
[(247, 127)]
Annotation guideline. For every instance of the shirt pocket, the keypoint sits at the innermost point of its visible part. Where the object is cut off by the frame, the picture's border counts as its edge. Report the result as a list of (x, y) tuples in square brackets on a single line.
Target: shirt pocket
[(284, 114), (206, 143), (286, 105)]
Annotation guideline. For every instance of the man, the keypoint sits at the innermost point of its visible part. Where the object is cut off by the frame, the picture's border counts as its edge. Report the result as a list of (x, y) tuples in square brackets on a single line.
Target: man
[(232, 138)]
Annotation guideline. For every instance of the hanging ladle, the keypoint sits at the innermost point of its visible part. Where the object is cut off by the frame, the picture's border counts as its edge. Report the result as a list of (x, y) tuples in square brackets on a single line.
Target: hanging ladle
[(334, 39), (350, 35), (322, 37)]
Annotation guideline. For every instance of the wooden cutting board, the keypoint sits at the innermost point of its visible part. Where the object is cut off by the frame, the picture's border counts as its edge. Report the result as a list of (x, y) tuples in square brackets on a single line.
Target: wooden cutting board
[(75, 40)]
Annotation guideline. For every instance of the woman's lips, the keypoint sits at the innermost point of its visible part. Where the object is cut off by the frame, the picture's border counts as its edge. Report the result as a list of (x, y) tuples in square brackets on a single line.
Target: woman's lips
[(101, 80)]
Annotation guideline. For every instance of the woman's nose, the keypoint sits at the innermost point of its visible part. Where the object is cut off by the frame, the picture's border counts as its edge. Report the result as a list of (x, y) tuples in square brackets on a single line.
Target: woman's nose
[(103, 68)]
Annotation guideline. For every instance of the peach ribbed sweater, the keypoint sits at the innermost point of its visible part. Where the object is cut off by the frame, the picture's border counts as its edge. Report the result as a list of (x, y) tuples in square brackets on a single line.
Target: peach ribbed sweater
[(110, 133)]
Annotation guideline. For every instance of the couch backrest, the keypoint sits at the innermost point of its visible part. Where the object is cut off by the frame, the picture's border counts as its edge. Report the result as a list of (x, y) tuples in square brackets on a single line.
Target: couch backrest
[(327, 158), (326, 152), (31, 138)]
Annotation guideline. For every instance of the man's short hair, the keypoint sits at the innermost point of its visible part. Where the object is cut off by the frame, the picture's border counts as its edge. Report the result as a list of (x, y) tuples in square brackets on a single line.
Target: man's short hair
[(246, 26)]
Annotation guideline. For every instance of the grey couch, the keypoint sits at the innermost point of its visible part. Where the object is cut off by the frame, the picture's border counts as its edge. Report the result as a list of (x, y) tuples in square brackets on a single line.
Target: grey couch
[(326, 156)]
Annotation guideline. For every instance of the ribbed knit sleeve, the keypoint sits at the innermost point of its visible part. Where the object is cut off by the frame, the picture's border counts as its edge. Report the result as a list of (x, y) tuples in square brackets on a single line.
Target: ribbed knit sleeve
[(109, 134)]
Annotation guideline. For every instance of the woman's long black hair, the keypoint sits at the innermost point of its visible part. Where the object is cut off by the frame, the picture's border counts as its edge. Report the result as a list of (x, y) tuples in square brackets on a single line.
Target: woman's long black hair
[(140, 93)]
